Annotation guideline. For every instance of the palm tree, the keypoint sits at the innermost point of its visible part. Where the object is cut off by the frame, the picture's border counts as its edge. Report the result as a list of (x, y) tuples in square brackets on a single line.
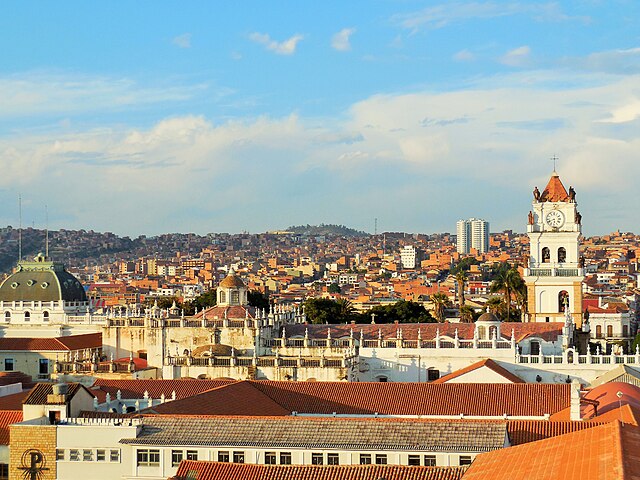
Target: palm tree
[(507, 282), (466, 314), (494, 304), (440, 302), (461, 279)]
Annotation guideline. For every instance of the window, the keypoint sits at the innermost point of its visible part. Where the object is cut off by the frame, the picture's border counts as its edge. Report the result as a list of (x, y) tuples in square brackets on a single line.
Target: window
[(223, 456), (598, 333), (45, 316), (176, 457), (535, 348), (546, 256), (429, 460), (465, 460), (381, 459), (87, 455), (59, 454), (4, 471), (317, 459), (270, 458), (8, 364), (192, 455), (285, 458), (7, 316), (74, 455), (333, 459), (238, 457), (563, 301), (562, 255), (101, 455), (114, 455), (413, 460), (148, 458), (365, 459), (433, 374), (235, 297), (609, 330), (625, 330), (27, 316), (223, 297), (43, 366)]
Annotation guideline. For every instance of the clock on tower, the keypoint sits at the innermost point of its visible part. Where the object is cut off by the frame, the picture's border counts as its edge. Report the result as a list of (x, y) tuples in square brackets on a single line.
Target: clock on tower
[(553, 272)]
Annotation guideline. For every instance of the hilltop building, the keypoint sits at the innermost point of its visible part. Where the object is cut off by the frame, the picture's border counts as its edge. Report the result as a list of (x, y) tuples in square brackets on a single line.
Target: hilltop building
[(472, 234)]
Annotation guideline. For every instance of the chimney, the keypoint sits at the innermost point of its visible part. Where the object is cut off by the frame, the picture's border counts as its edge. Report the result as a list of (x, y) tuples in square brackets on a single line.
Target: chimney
[(575, 401)]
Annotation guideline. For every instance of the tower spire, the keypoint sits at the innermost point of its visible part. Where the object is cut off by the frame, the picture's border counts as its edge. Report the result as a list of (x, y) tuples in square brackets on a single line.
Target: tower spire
[(20, 227), (46, 232)]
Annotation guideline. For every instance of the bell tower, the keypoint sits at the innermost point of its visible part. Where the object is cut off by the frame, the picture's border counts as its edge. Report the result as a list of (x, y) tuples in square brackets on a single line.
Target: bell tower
[(554, 269)]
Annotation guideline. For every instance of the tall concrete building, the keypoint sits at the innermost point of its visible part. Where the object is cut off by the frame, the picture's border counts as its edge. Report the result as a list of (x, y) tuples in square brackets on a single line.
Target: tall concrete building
[(472, 233)]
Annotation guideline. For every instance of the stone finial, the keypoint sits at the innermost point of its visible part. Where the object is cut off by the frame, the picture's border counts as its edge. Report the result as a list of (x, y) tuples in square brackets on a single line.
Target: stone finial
[(119, 395)]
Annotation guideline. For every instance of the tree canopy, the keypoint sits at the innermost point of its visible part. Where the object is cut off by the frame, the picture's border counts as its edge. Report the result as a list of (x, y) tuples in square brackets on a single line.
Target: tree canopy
[(324, 310)]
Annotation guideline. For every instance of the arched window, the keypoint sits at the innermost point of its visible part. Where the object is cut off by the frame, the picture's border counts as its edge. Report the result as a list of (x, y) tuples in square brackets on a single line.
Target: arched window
[(546, 255), (493, 331), (563, 301), (609, 330), (562, 255), (45, 316), (27, 316), (235, 297), (223, 297), (7, 316), (598, 331), (535, 348), (482, 331)]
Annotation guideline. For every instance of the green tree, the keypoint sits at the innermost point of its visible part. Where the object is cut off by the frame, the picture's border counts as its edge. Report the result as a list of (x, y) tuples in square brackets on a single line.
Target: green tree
[(206, 300), (346, 310), (507, 282), (440, 302), (258, 299), (464, 265), (466, 314), (494, 305), (461, 280), (402, 311), (333, 288), (322, 310)]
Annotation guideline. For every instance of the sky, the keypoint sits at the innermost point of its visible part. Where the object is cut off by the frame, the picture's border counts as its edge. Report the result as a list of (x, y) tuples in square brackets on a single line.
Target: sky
[(147, 117)]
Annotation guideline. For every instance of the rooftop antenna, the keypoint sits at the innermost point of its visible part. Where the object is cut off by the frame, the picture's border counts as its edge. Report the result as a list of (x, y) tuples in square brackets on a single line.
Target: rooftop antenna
[(20, 227), (375, 226), (46, 232)]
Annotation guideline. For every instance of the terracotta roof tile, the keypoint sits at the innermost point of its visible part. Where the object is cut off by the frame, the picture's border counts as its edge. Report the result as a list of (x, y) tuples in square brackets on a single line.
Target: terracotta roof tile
[(38, 394), (235, 471), (554, 191), (62, 344), (606, 452), (8, 417), (155, 388), (486, 363), (14, 401)]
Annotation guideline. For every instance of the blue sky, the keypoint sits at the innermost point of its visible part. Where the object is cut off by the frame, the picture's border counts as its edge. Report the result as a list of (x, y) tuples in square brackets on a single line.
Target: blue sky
[(155, 116)]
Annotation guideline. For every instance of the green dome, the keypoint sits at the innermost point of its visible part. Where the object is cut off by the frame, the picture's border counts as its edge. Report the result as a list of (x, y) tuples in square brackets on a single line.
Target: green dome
[(41, 281)]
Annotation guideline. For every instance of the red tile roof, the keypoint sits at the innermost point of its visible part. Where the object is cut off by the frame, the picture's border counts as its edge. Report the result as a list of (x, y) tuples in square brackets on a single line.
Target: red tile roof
[(40, 393), (233, 312), (60, 344), (7, 418), (369, 398), (606, 452), (155, 388), (14, 401), (486, 363), (526, 431), (235, 471), (554, 191)]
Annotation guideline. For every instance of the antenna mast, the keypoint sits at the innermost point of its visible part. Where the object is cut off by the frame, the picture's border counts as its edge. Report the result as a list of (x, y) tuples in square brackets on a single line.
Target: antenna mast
[(20, 227)]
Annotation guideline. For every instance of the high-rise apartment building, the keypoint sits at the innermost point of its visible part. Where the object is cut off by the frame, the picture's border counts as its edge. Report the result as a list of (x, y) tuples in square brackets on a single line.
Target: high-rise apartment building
[(472, 233)]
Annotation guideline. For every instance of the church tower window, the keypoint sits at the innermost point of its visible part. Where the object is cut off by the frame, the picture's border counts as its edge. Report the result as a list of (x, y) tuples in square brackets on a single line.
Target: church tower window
[(223, 297), (7, 316), (235, 297), (563, 301), (546, 256), (562, 255)]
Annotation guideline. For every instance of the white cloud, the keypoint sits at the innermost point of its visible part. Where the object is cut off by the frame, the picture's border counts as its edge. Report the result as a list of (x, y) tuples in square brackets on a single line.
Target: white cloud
[(517, 57), (442, 15), (341, 40), (463, 56), (625, 113), (286, 47), (183, 41)]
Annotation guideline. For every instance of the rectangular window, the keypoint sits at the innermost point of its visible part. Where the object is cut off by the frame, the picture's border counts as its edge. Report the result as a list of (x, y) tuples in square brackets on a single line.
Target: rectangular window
[(176, 457), (192, 455), (87, 455), (114, 455), (43, 366), (238, 457), (4, 471), (414, 460), (317, 459), (381, 459), (148, 458), (429, 460), (270, 458), (433, 374), (465, 460), (223, 456), (74, 455), (101, 455), (365, 459), (59, 454), (8, 364), (333, 459), (285, 458)]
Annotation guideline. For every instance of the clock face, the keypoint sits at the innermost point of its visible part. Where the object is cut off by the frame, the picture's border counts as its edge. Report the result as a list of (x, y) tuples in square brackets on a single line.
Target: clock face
[(555, 218)]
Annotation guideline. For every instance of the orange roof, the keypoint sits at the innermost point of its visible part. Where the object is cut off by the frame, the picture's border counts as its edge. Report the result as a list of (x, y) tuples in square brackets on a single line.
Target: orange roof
[(155, 388), (554, 191), (607, 452), (486, 363), (68, 343), (8, 417), (237, 471)]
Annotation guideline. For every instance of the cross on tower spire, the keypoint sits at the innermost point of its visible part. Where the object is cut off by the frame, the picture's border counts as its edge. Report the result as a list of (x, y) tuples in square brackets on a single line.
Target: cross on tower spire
[(554, 159)]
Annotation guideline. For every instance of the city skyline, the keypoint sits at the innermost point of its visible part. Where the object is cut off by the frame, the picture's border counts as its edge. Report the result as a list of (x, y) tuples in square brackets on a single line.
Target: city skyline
[(256, 118)]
